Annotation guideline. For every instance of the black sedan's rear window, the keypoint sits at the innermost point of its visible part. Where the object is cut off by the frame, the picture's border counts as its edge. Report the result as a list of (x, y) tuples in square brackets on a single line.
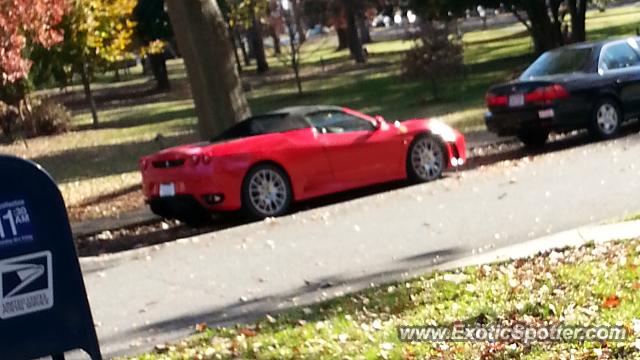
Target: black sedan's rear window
[(260, 125), (562, 61)]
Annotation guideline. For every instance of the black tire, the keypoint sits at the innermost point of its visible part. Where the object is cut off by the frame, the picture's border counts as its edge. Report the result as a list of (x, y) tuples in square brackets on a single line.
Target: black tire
[(534, 139), (258, 209), (437, 164), (606, 119)]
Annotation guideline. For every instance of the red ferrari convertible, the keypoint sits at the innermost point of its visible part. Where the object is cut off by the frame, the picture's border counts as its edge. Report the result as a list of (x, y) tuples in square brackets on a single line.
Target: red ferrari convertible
[(263, 164)]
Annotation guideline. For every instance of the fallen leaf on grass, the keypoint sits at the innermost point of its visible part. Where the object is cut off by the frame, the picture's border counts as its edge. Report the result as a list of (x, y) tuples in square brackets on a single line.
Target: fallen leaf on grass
[(201, 327), (611, 302), (490, 351), (247, 332), (636, 286)]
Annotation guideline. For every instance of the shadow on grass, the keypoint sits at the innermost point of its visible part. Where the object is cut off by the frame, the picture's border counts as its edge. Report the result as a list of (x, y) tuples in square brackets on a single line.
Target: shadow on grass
[(118, 96), (515, 63), (139, 119), (104, 160)]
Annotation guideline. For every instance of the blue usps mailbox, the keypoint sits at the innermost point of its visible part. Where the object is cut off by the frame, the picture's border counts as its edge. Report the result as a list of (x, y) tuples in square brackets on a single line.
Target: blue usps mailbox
[(44, 309)]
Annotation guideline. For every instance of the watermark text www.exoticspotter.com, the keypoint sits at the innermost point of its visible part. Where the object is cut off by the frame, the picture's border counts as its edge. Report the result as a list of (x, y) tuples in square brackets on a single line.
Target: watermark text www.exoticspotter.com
[(519, 333)]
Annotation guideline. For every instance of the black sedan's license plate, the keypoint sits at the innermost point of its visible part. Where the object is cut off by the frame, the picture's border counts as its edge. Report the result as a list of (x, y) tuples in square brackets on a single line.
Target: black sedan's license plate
[(516, 100)]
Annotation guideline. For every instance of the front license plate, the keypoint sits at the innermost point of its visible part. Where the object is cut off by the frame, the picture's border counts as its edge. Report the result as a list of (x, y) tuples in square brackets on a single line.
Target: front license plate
[(167, 190), (516, 100)]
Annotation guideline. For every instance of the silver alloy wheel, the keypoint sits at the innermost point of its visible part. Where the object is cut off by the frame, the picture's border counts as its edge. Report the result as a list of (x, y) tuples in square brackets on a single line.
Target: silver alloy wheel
[(268, 192), (607, 118), (427, 158)]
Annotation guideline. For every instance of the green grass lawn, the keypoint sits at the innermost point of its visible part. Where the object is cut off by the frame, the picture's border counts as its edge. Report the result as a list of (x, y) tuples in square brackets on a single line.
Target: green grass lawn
[(595, 285), (91, 162)]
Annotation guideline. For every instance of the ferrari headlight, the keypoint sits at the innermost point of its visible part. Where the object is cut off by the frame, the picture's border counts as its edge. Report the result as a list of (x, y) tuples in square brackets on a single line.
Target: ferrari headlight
[(443, 130)]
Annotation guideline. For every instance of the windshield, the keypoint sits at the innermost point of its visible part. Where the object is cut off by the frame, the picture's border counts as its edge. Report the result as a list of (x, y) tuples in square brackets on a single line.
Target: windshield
[(562, 61)]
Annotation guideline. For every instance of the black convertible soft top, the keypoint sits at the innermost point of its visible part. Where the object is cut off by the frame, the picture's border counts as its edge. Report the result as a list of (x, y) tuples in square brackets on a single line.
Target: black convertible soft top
[(277, 121)]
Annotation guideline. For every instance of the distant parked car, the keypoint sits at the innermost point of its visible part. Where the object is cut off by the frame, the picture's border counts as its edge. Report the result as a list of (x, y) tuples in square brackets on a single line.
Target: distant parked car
[(588, 85), (266, 162)]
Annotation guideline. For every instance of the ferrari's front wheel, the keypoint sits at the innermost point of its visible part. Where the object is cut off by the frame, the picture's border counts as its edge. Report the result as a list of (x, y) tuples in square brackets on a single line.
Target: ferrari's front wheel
[(426, 159), (266, 192)]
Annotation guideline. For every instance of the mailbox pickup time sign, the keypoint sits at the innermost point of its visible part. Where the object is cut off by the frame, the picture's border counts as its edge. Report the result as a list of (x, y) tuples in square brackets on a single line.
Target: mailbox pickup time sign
[(26, 284), (15, 224)]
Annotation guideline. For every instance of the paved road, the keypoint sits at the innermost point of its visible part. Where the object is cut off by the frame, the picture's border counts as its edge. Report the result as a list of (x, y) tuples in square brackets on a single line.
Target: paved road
[(152, 295)]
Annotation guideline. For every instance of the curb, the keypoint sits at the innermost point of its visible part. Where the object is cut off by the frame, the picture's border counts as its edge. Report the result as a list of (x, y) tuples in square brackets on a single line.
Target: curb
[(570, 238), (142, 216)]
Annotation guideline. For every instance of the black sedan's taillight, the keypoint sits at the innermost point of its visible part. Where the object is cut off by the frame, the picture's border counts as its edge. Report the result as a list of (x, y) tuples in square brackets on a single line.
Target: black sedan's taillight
[(547, 94), (495, 100)]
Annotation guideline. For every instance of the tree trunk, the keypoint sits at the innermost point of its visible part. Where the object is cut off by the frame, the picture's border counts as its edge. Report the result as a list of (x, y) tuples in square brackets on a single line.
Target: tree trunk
[(146, 65), (243, 48), (556, 21), (355, 46), (159, 68), (297, 15), (234, 44), (276, 40), (363, 29), (543, 34), (257, 45), (86, 84), (434, 89), (295, 51), (203, 38), (578, 10), (343, 41)]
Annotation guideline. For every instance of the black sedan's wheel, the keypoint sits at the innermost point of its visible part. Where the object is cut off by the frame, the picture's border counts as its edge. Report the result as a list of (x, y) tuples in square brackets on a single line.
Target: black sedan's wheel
[(426, 159), (266, 192), (534, 138), (607, 118)]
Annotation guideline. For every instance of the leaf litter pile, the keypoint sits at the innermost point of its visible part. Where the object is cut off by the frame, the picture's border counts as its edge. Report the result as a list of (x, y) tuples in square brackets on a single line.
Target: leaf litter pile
[(594, 285)]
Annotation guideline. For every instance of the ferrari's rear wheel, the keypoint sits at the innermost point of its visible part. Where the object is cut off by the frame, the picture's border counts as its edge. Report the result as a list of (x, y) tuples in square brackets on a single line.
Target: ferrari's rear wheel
[(266, 192), (426, 160)]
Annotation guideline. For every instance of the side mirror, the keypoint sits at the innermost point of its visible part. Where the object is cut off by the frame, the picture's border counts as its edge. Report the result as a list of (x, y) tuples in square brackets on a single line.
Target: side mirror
[(380, 122)]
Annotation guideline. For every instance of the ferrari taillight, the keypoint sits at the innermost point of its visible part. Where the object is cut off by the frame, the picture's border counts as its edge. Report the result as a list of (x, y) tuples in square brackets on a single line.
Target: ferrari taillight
[(195, 159), (206, 159), (144, 164)]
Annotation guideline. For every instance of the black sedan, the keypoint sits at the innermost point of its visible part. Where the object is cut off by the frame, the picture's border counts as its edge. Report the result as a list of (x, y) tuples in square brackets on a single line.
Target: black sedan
[(589, 85)]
